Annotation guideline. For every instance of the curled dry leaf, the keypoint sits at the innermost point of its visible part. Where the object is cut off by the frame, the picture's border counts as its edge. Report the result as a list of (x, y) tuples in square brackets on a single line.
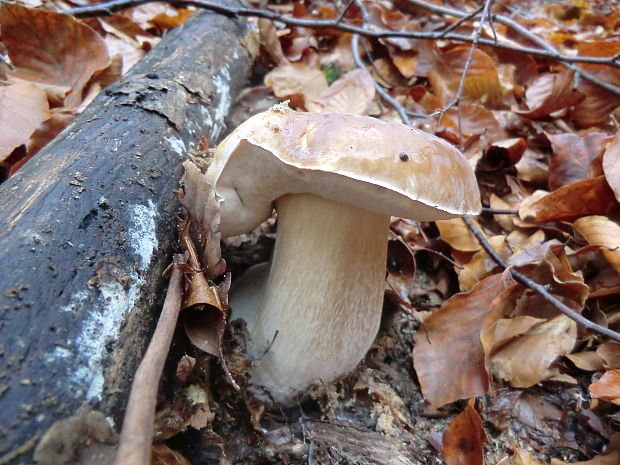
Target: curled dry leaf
[(448, 356), (298, 82), (599, 104), (271, 42), (526, 360), (573, 156), (52, 48), (602, 231), (352, 93), (611, 165), (549, 93), (200, 201), (608, 387), (464, 438), (23, 107), (581, 198)]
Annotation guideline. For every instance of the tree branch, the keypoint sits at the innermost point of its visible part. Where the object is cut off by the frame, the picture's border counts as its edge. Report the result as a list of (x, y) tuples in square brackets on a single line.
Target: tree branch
[(534, 286)]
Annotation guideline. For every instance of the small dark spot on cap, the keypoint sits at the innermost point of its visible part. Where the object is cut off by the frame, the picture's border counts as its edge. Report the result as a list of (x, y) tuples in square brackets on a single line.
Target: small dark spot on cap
[(152, 75), (403, 156)]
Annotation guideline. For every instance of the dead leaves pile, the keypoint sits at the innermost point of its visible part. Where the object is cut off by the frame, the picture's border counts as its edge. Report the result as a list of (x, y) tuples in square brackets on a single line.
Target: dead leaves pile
[(544, 144), (54, 65)]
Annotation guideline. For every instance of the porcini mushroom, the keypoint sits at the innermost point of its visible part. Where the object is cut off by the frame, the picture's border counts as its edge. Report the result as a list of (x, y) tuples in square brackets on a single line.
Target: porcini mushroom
[(335, 180)]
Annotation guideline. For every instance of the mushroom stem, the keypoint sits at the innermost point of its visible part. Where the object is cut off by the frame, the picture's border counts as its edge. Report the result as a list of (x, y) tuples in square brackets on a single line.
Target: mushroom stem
[(323, 296)]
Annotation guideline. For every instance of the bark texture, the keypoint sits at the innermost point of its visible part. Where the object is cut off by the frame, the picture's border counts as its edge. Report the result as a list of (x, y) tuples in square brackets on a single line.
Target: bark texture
[(87, 227)]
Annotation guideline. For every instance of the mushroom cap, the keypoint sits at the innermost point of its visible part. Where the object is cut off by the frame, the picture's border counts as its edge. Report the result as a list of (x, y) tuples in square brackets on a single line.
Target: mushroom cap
[(382, 166)]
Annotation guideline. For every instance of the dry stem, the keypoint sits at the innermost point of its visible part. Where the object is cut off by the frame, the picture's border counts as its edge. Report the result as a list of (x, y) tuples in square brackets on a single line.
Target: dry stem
[(136, 436)]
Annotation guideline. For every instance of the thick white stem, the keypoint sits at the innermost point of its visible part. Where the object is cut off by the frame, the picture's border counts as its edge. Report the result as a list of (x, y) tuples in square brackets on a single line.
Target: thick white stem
[(323, 296)]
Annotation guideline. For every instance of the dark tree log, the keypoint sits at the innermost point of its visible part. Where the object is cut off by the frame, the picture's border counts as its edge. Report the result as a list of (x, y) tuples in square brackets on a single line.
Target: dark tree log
[(88, 225)]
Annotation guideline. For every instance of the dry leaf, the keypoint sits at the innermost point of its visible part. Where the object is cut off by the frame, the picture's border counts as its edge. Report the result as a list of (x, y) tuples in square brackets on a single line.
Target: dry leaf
[(526, 360), (448, 356), (611, 165), (602, 231), (599, 104), (610, 353), (608, 387), (464, 438), (456, 233), (481, 264), (572, 157), (550, 93), (23, 107), (52, 48), (587, 197), (523, 457), (587, 361), (352, 93), (298, 82)]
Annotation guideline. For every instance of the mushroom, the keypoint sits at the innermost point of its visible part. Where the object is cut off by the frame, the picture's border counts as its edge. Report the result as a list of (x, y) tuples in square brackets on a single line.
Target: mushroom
[(313, 312)]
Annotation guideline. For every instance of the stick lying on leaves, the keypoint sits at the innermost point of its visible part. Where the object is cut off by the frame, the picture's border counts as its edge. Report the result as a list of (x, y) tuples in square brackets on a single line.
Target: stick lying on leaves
[(136, 436), (533, 285)]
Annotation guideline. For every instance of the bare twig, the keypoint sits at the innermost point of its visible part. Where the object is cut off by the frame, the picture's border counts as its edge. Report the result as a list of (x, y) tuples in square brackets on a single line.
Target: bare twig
[(107, 8), (499, 211), (533, 285), (136, 436), (378, 87), (459, 92)]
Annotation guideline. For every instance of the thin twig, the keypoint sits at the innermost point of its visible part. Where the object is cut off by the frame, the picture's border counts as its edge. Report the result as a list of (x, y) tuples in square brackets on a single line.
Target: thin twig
[(378, 87), (459, 92), (499, 211), (107, 8), (533, 285), (137, 434)]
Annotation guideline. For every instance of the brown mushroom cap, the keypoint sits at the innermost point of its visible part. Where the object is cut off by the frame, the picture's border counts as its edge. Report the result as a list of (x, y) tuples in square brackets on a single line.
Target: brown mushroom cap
[(382, 166)]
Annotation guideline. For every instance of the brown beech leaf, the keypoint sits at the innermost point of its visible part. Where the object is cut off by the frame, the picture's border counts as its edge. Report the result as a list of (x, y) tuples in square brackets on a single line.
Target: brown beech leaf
[(597, 48), (296, 81), (52, 48), (599, 104), (608, 387), (611, 165), (270, 40), (464, 438), (448, 356), (549, 93), (587, 361), (456, 233), (581, 198), (352, 93), (572, 156), (610, 354), (481, 264), (602, 231), (23, 107), (526, 360)]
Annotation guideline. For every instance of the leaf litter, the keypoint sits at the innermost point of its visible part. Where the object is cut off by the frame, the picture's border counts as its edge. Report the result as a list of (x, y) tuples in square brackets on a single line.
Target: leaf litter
[(456, 326)]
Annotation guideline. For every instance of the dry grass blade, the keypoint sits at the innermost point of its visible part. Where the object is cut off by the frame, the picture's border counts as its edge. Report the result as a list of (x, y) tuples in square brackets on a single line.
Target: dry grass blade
[(136, 436)]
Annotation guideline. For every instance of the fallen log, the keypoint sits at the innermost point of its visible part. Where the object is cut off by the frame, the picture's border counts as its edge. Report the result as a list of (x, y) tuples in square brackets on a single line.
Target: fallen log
[(88, 225)]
